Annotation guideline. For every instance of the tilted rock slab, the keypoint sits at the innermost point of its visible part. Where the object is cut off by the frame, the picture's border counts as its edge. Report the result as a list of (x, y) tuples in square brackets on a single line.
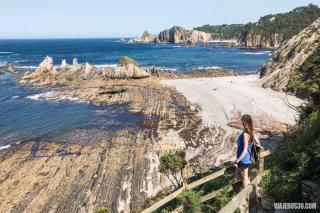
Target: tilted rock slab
[(289, 57)]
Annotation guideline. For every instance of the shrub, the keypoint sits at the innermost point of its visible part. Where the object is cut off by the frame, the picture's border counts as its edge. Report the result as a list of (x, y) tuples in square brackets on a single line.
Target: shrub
[(172, 164), (190, 201), (102, 210), (125, 60)]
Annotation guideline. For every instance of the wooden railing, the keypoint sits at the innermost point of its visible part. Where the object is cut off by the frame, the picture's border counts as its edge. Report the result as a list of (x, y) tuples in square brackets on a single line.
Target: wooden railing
[(213, 194), (249, 193)]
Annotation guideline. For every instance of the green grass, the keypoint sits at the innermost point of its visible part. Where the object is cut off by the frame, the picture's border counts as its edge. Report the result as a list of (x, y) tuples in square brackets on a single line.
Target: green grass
[(298, 159)]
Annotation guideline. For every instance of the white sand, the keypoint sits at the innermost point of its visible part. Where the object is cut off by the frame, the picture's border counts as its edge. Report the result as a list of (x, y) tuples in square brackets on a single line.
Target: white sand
[(220, 97)]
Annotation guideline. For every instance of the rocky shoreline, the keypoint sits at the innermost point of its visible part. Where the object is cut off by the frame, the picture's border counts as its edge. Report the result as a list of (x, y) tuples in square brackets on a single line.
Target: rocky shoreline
[(95, 168), (92, 169)]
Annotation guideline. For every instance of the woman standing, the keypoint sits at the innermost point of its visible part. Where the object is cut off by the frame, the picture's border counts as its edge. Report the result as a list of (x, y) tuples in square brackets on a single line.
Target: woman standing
[(245, 142)]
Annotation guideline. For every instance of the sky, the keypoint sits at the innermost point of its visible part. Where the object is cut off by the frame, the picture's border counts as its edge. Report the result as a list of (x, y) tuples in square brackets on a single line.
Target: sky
[(127, 18)]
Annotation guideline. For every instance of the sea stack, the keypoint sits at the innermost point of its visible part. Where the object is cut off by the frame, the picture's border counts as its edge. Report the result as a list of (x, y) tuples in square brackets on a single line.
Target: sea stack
[(88, 71), (46, 65), (75, 65), (10, 67), (64, 64), (128, 69)]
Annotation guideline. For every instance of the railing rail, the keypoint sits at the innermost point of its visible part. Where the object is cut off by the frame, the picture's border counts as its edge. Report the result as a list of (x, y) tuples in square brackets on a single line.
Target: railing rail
[(189, 186), (245, 194), (206, 179)]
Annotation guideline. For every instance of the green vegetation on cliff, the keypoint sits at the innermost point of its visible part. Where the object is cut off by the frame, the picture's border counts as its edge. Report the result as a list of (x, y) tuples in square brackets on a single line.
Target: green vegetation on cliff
[(299, 156), (225, 31), (306, 82), (285, 25)]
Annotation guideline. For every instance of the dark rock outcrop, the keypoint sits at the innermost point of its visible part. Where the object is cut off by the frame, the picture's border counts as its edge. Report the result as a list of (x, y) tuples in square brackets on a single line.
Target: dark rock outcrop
[(10, 68)]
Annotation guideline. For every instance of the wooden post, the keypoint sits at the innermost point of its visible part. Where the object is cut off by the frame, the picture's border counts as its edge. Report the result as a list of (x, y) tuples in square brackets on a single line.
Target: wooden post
[(261, 164)]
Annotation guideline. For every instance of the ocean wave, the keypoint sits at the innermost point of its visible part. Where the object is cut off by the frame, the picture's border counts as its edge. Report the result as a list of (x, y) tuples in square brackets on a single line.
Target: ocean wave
[(257, 53), (104, 65), (5, 147), (19, 61), (207, 68), (6, 52), (27, 67), (15, 97), (52, 95), (68, 98), (161, 68), (43, 96)]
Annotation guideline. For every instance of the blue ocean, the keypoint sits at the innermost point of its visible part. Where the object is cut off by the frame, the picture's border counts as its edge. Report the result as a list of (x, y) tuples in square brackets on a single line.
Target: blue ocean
[(22, 118)]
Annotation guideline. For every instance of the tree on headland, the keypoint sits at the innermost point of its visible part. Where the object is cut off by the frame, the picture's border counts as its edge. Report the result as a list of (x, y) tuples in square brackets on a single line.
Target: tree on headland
[(172, 164)]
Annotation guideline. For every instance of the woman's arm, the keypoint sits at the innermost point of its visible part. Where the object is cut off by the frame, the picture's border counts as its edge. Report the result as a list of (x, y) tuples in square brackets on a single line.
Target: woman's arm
[(257, 141), (246, 138)]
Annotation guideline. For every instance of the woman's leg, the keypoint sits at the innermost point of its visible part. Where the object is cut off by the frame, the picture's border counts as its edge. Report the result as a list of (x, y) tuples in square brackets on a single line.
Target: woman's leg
[(245, 177)]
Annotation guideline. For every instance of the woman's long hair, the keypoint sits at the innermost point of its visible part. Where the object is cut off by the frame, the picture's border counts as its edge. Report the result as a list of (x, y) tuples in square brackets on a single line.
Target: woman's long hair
[(248, 125)]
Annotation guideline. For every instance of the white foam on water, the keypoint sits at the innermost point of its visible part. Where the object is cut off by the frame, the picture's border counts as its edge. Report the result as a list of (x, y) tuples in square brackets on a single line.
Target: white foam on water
[(257, 53), (105, 65), (5, 147), (27, 67), (47, 96), (6, 52), (68, 98), (207, 68), (15, 97), (162, 68), (43, 96)]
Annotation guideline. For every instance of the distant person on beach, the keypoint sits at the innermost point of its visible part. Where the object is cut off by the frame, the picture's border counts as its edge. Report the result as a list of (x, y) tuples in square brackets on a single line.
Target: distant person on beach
[(245, 142)]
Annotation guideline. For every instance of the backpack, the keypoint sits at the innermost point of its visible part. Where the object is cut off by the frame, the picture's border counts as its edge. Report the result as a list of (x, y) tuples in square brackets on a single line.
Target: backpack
[(255, 151)]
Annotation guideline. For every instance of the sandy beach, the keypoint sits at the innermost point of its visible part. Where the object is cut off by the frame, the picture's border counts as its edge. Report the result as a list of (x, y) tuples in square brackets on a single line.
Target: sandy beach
[(219, 98)]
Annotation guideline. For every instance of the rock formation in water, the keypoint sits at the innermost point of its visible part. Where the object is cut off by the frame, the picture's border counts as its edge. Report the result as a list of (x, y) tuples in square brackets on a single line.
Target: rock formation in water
[(75, 65), (145, 38), (180, 35), (46, 74), (176, 35), (89, 71), (47, 66), (269, 31), (289, 57), (64, 64), (127, 68), (10, 68)]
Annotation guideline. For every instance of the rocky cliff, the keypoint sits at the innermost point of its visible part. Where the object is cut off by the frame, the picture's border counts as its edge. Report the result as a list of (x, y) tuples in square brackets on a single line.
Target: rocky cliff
[(145, 38), (268, 31), (180, 35), (176, 35), (286, 62)]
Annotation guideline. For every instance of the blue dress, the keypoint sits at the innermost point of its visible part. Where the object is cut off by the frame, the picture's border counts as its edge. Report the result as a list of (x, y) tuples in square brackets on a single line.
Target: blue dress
[(247, 158)]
